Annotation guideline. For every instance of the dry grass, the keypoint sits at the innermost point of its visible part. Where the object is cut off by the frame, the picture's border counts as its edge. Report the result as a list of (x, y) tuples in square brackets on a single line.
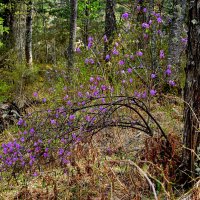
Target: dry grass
[(102, 168)]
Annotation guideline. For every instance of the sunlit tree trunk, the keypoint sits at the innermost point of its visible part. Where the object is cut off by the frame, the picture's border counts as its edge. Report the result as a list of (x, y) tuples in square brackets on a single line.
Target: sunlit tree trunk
[(28, 43), (192, 89), (176, 30), (72, 34), (110, 24), (20, 31)]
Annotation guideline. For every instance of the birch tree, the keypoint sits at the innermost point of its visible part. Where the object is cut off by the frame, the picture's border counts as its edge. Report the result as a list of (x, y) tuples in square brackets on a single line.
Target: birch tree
[(28, 42)]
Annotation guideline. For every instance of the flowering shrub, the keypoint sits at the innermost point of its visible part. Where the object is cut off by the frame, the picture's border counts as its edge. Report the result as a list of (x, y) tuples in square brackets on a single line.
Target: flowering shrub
[(125, 80), (49, 136)]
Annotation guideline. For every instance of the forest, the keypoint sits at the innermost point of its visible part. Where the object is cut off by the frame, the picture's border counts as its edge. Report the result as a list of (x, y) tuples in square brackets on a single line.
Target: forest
[(99, 99)]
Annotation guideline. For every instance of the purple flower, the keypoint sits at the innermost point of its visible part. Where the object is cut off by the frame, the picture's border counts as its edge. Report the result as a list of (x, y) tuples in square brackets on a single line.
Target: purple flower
[(107, 57), (86, 61), (32, 130), (115, 51), (184, 40), (168, 72), (80, 94), (20, 122), (144, 10), (90, 39), (96, 93), (78, 50), (138, 8), (139, 53), (153, 76), (66, 97), (103, 100), (116, 44), (61, 151), (89, 45), (98, 78), (71, 117), (144, 95), (87, 118), (65, 161), (90, 42), (145, 36), (172, 83), (69, 103), (162, 55), (121, 62), (103, 87), (44, 100), (35, 174), (125, 15), (45, 154), (145, 25), (53, 121), (137, 94), (122, 71), (35, 94), (91, 79), (159, 32), (105, 38), (131, 57), (129, 70), (152, 92), (157, 14), (130, 80), (159, 20), (91, 61)]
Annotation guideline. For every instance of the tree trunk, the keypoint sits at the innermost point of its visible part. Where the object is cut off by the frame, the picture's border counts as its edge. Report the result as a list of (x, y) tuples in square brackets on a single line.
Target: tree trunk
[(20, 31), (72, 36), (86, 23), (110, 24), (192, 89), (176, 29), (154, 63), (28, 45), (9, 19)]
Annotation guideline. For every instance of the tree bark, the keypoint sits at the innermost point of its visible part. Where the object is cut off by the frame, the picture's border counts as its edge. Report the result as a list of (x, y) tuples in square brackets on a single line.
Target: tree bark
[(72, 34), (176, 29), (9, 19), (192, 90), (86, 23), (28, 43), (110, 24)]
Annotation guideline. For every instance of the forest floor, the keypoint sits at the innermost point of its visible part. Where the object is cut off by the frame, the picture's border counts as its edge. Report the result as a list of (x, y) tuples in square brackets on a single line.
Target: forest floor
[(101, 167)]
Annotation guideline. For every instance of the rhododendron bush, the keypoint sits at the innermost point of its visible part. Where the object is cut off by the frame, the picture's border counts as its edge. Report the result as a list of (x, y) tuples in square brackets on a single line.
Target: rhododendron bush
[(114, 88)]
